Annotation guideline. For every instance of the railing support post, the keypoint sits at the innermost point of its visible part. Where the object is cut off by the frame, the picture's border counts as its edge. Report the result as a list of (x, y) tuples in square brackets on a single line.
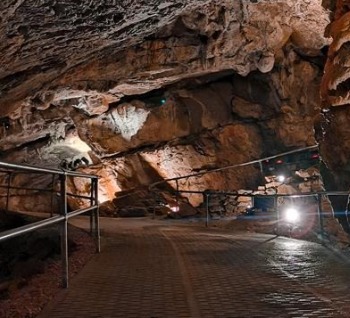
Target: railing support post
[(8, 191), (64, 230), (207, 195), (92, 212), (52, 192), (320, 215), (275, 207), (96, 214), (177, 193)]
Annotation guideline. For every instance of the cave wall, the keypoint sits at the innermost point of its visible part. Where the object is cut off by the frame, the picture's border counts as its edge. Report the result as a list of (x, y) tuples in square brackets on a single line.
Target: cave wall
[(213, 124), (335, 93), (334, 133), (210, 84)]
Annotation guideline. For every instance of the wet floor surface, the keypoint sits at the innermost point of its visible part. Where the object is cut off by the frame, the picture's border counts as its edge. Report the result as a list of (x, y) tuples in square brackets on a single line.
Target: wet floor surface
[(167, 269)]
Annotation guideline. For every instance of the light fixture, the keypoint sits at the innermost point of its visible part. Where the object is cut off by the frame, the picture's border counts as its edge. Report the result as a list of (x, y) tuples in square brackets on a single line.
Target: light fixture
[(292, 215), (281, 178), (175, 208)]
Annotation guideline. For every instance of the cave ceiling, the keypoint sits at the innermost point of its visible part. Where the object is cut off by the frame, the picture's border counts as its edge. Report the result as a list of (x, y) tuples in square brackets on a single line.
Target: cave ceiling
[(53, 51), (130, 84)]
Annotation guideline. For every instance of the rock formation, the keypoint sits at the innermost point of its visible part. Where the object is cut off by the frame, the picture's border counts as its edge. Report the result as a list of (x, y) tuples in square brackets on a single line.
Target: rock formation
[(138, 92), (335, 90), (333, 132)]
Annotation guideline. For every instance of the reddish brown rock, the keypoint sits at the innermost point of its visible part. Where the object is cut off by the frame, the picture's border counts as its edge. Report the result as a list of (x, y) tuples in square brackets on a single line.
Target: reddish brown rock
[(182, 40), (236, 81), (335, 92)]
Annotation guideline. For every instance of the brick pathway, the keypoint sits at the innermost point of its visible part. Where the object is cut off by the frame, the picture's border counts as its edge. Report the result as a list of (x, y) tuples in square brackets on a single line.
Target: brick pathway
[(165, 270)]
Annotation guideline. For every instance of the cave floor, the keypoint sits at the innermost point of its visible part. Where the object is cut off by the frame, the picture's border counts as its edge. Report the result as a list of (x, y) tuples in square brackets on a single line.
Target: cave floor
[(158, 268)]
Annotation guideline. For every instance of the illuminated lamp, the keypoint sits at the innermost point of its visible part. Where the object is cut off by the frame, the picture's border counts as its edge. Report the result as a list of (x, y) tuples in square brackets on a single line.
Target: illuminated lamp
[(281, 178), (175, 208), (292, 215)]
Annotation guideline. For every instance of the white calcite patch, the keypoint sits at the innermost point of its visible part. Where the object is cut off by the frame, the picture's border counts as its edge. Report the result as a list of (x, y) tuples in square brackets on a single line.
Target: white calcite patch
[(129, 119)]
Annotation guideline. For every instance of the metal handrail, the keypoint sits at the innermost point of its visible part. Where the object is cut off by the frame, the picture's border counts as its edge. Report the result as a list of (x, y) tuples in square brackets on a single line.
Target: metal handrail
[(207, 194), (40, 224), (153, 185), (302, 194), (248, 163), (64, 214), (317, 194), (30, 227), (25, 188), (259, 161), (26, 167)]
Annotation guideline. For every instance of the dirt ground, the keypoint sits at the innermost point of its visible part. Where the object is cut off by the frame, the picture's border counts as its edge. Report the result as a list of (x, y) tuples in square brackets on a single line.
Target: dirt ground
[(32, 280)]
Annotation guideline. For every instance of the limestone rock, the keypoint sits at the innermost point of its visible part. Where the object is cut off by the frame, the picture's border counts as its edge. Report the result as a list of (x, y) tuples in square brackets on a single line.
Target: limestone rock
[(149, 91), (182, 39), (335, 91)]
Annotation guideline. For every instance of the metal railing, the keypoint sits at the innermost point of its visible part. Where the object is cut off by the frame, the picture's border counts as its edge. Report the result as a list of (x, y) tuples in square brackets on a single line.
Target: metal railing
[(153, 186), (239, 165), (206, 194), (317, 195), (63, 215)]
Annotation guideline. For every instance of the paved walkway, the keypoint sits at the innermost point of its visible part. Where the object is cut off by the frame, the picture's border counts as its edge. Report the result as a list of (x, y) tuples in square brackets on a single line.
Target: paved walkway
[(166, 269)]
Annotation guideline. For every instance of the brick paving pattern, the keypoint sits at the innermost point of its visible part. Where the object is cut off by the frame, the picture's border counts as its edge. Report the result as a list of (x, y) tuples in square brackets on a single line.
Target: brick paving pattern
[(169, 270)]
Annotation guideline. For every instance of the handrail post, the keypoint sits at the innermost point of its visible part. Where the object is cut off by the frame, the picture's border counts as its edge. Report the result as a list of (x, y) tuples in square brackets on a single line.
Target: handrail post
[(64, 230), (96, 214), (320, 215), (52, 192), (8, 191), (177, 192), (347, 209), (92, 212), (207, 209), (275, 208), (62, 219)]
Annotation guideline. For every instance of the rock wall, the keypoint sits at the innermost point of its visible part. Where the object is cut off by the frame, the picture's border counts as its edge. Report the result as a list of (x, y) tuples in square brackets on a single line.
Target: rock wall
[(180, 131), (159, 90), (333, 131)]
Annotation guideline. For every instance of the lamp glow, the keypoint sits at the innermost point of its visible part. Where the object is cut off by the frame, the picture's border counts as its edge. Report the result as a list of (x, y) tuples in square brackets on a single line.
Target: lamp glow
[(292, 215), (281, 178), (175, 208)]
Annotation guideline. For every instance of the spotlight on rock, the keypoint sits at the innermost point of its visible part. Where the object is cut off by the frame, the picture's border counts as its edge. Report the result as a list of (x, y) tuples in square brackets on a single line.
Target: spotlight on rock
[(173, 207)]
